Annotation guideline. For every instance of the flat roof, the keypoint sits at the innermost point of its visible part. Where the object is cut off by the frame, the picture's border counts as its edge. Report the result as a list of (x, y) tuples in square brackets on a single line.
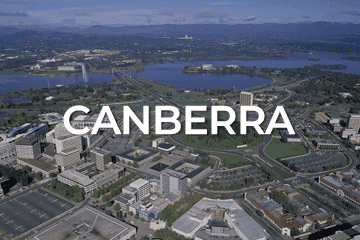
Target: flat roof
[(127, 153), (174, 173), (66, 137), (201, 167), (247, 225), (77, 177), (325, 141), (26, 141), (138, 183), (104, 175), (70, 150), (81, 118), (80, 223), (100, 151), (165, 146)]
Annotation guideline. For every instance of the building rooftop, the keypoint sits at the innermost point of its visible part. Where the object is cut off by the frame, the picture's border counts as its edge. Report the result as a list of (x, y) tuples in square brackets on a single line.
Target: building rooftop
[(88, 222), (131, 154), (246, 224), (69, 151), (325, 141), (285, 134), (138, 183), (77, 177), (100, 151), (26, 141), (174, 173), (81, 118), (104, 175), (66, 137)]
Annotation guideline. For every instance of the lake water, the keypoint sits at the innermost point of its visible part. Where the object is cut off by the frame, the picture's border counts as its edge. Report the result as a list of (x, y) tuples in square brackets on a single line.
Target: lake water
[(19, 83), (171, 73)]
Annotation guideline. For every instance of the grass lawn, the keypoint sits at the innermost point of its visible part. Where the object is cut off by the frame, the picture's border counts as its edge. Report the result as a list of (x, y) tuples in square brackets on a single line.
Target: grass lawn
[(283, 174), (231, 161), (278, 149)]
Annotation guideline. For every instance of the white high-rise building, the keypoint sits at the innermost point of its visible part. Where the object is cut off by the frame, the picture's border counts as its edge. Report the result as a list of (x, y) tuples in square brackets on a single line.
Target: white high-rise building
[(246, 98), (172, 181)]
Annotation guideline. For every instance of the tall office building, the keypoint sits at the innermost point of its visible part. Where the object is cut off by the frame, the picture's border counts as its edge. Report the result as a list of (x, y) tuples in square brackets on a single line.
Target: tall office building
[(28, 148), (68, 158), (246, 98), (353, 122), (60, 130), (101, 157), (142, 187), (68, 141), (172, 181)]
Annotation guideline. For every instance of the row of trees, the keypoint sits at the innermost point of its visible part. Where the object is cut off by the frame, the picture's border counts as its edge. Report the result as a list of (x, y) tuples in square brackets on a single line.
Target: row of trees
[(114, 189), (174, 211), (280, 198), (74, 192)]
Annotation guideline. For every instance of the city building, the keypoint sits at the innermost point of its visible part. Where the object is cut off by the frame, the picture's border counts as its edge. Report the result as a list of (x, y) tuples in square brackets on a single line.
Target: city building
[(28, 148), (60, 130), (207, 67), (86, 168), (7, 147), (109, 176), (83, 121), (18, 130), (89, 223), (142, 187), (101, 157), (201, 214), (335, 127), (246, 98), (125, 200), (290, 138), (354, 138), (275, 213), (68, 158), (139, 155), (68, 141), (38, 165), (315, 131), (156, 142), (67, 68), (172, 181), (74, 178), (353, 121), (51, 118), (343, 189), (38, 132), (326, 144), (345, 132), (194, 171)]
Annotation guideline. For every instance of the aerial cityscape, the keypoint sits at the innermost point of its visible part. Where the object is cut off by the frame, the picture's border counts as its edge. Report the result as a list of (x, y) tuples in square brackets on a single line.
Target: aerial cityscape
[(286, 168)]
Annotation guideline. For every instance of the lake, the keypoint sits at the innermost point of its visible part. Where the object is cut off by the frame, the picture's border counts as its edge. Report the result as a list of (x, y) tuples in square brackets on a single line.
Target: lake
[(19, 83), (171, 73)]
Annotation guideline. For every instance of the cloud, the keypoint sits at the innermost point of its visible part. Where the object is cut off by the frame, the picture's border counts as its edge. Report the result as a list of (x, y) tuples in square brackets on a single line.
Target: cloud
[(208, 14), (69, 20), (166, 14), (15, 14), (249, 19), (82, 14), (305, 17), (352, 13)]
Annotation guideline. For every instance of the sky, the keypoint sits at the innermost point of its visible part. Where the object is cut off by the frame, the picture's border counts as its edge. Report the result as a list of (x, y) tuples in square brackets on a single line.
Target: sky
[(152, 12)]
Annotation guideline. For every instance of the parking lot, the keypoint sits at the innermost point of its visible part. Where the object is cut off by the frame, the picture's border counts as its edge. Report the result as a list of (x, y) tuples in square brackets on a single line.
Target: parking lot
[(315, 162), (226, 178), (24, 211)]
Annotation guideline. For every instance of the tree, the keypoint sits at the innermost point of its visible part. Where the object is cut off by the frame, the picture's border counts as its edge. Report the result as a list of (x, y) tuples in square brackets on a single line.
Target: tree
[(52, 175), (317, 225), (108, 204), (295, 232), (39, 176), (260, 213), (117, 207), (135, 165), (131, 213)]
